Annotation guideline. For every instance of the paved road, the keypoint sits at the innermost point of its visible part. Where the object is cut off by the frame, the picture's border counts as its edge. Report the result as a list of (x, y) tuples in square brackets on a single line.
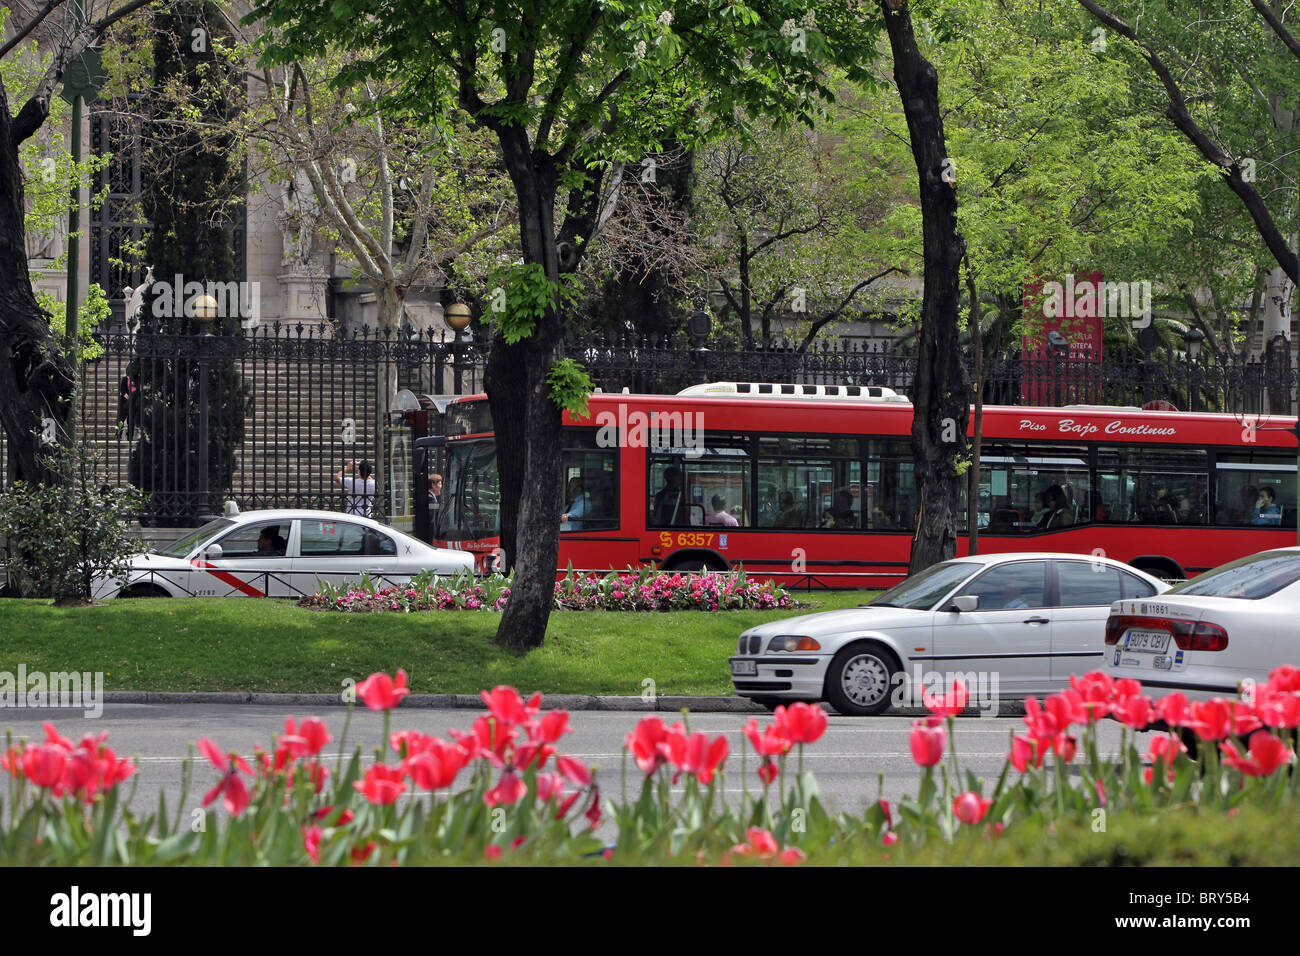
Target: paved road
[(847, 761)]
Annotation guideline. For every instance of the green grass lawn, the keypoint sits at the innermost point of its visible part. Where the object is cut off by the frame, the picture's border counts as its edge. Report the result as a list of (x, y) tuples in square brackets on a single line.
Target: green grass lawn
[(223, 644)]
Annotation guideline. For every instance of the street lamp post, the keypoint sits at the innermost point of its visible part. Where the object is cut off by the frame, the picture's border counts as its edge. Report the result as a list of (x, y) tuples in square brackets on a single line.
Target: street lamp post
[(204, 308), (1147, 338), (458, 316), (1060, 346), (1193, 338), (699, 325)]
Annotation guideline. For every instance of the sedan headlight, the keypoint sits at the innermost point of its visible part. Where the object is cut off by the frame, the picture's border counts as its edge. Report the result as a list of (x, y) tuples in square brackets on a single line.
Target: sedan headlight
[(792, 642)]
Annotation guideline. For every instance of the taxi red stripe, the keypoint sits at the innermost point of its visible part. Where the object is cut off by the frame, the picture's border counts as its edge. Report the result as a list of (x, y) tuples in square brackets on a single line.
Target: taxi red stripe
[(227, 578)]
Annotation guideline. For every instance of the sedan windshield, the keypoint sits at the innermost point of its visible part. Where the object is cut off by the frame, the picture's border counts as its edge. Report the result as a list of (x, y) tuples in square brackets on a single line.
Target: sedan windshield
[(1252, 577), (923, 591), (181, 547)]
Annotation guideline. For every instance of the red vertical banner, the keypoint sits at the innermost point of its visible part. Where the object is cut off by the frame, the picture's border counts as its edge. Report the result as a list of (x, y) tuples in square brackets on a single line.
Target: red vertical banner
[(1072, 306)]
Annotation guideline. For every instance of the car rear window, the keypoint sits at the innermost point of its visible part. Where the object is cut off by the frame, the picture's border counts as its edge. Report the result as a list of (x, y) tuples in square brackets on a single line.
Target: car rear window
[(1250, 578)]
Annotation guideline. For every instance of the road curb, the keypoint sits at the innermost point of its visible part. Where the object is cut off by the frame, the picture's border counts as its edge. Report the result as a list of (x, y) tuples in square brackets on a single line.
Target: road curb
[(571, 702)]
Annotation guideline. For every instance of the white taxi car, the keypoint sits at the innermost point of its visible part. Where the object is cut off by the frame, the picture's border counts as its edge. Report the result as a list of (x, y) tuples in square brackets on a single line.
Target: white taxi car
[(1233, 623), (1020, 623), (280, 553)]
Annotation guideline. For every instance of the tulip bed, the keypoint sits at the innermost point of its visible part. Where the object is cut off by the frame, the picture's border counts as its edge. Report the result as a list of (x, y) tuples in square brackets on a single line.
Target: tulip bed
[(503, 791), (637, 589)]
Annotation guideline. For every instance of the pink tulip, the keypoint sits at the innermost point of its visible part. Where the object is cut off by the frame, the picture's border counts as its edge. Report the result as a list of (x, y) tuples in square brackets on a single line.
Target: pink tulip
[(970, 807), (928, 743), (800, 723), (381, 692), (952, 703), (1267, 753)]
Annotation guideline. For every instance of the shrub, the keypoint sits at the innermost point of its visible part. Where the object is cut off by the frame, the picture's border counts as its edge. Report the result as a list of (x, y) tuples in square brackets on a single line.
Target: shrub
[(60, 538)]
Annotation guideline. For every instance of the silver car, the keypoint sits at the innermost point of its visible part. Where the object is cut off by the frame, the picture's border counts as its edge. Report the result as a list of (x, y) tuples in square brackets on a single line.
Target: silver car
[(1008, 624), (280, 553)]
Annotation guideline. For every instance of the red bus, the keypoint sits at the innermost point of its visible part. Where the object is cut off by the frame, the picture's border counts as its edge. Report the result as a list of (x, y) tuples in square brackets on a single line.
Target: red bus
[(813, 484)]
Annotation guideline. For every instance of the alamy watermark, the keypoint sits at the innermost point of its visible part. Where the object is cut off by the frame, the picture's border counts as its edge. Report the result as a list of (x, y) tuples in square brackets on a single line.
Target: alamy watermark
[(1087, 299), (178, 299), (678, 431), (75, 909), (910, 690), (63, 689)]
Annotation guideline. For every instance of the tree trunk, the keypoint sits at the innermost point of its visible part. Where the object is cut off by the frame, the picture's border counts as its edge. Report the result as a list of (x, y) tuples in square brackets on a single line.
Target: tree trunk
[(527, 426), (36, 379), (940, 409), (527, 423)]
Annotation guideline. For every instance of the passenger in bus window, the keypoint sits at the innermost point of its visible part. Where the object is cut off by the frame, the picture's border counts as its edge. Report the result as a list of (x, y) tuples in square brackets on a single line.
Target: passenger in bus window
[(1040, 512), (667, 505), (841, 514), (571, 520), (1166, 508), (789, 515), (1060, 514), (1266, 510), (719, 514)]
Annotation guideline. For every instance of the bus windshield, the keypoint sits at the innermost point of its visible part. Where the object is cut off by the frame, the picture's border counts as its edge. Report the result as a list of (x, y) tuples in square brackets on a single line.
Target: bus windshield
[(471, 492)]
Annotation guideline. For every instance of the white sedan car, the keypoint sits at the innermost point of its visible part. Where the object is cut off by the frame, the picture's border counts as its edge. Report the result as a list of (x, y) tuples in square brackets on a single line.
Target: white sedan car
[(280, 553), (1233, 623), (1008, 624)]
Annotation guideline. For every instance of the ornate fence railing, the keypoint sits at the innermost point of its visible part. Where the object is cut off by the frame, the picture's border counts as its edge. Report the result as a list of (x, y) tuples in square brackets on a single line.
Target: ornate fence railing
[(268, 417)]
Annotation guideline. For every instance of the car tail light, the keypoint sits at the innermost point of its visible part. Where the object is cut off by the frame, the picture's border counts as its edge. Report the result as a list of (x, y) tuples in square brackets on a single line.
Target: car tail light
[(1188, 635), (1203, 637)]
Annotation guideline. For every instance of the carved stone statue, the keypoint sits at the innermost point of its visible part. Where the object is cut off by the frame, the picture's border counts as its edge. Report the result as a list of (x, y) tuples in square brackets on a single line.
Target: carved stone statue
[(135, 299), (301, 213)]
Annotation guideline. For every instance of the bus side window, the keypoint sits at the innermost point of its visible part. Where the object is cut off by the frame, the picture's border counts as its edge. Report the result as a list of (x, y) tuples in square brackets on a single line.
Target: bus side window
[(1244, 479), (667, 496), (590, 483)]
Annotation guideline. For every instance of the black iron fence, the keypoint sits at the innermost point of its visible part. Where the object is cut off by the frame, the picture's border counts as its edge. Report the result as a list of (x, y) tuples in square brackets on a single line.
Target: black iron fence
[(269, 417)]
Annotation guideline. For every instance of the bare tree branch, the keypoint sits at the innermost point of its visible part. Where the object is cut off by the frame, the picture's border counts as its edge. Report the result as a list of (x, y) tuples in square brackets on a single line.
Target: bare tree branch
[(1229, 168), (1273, 20), (831, 316), (37, 109), (32, 24)]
